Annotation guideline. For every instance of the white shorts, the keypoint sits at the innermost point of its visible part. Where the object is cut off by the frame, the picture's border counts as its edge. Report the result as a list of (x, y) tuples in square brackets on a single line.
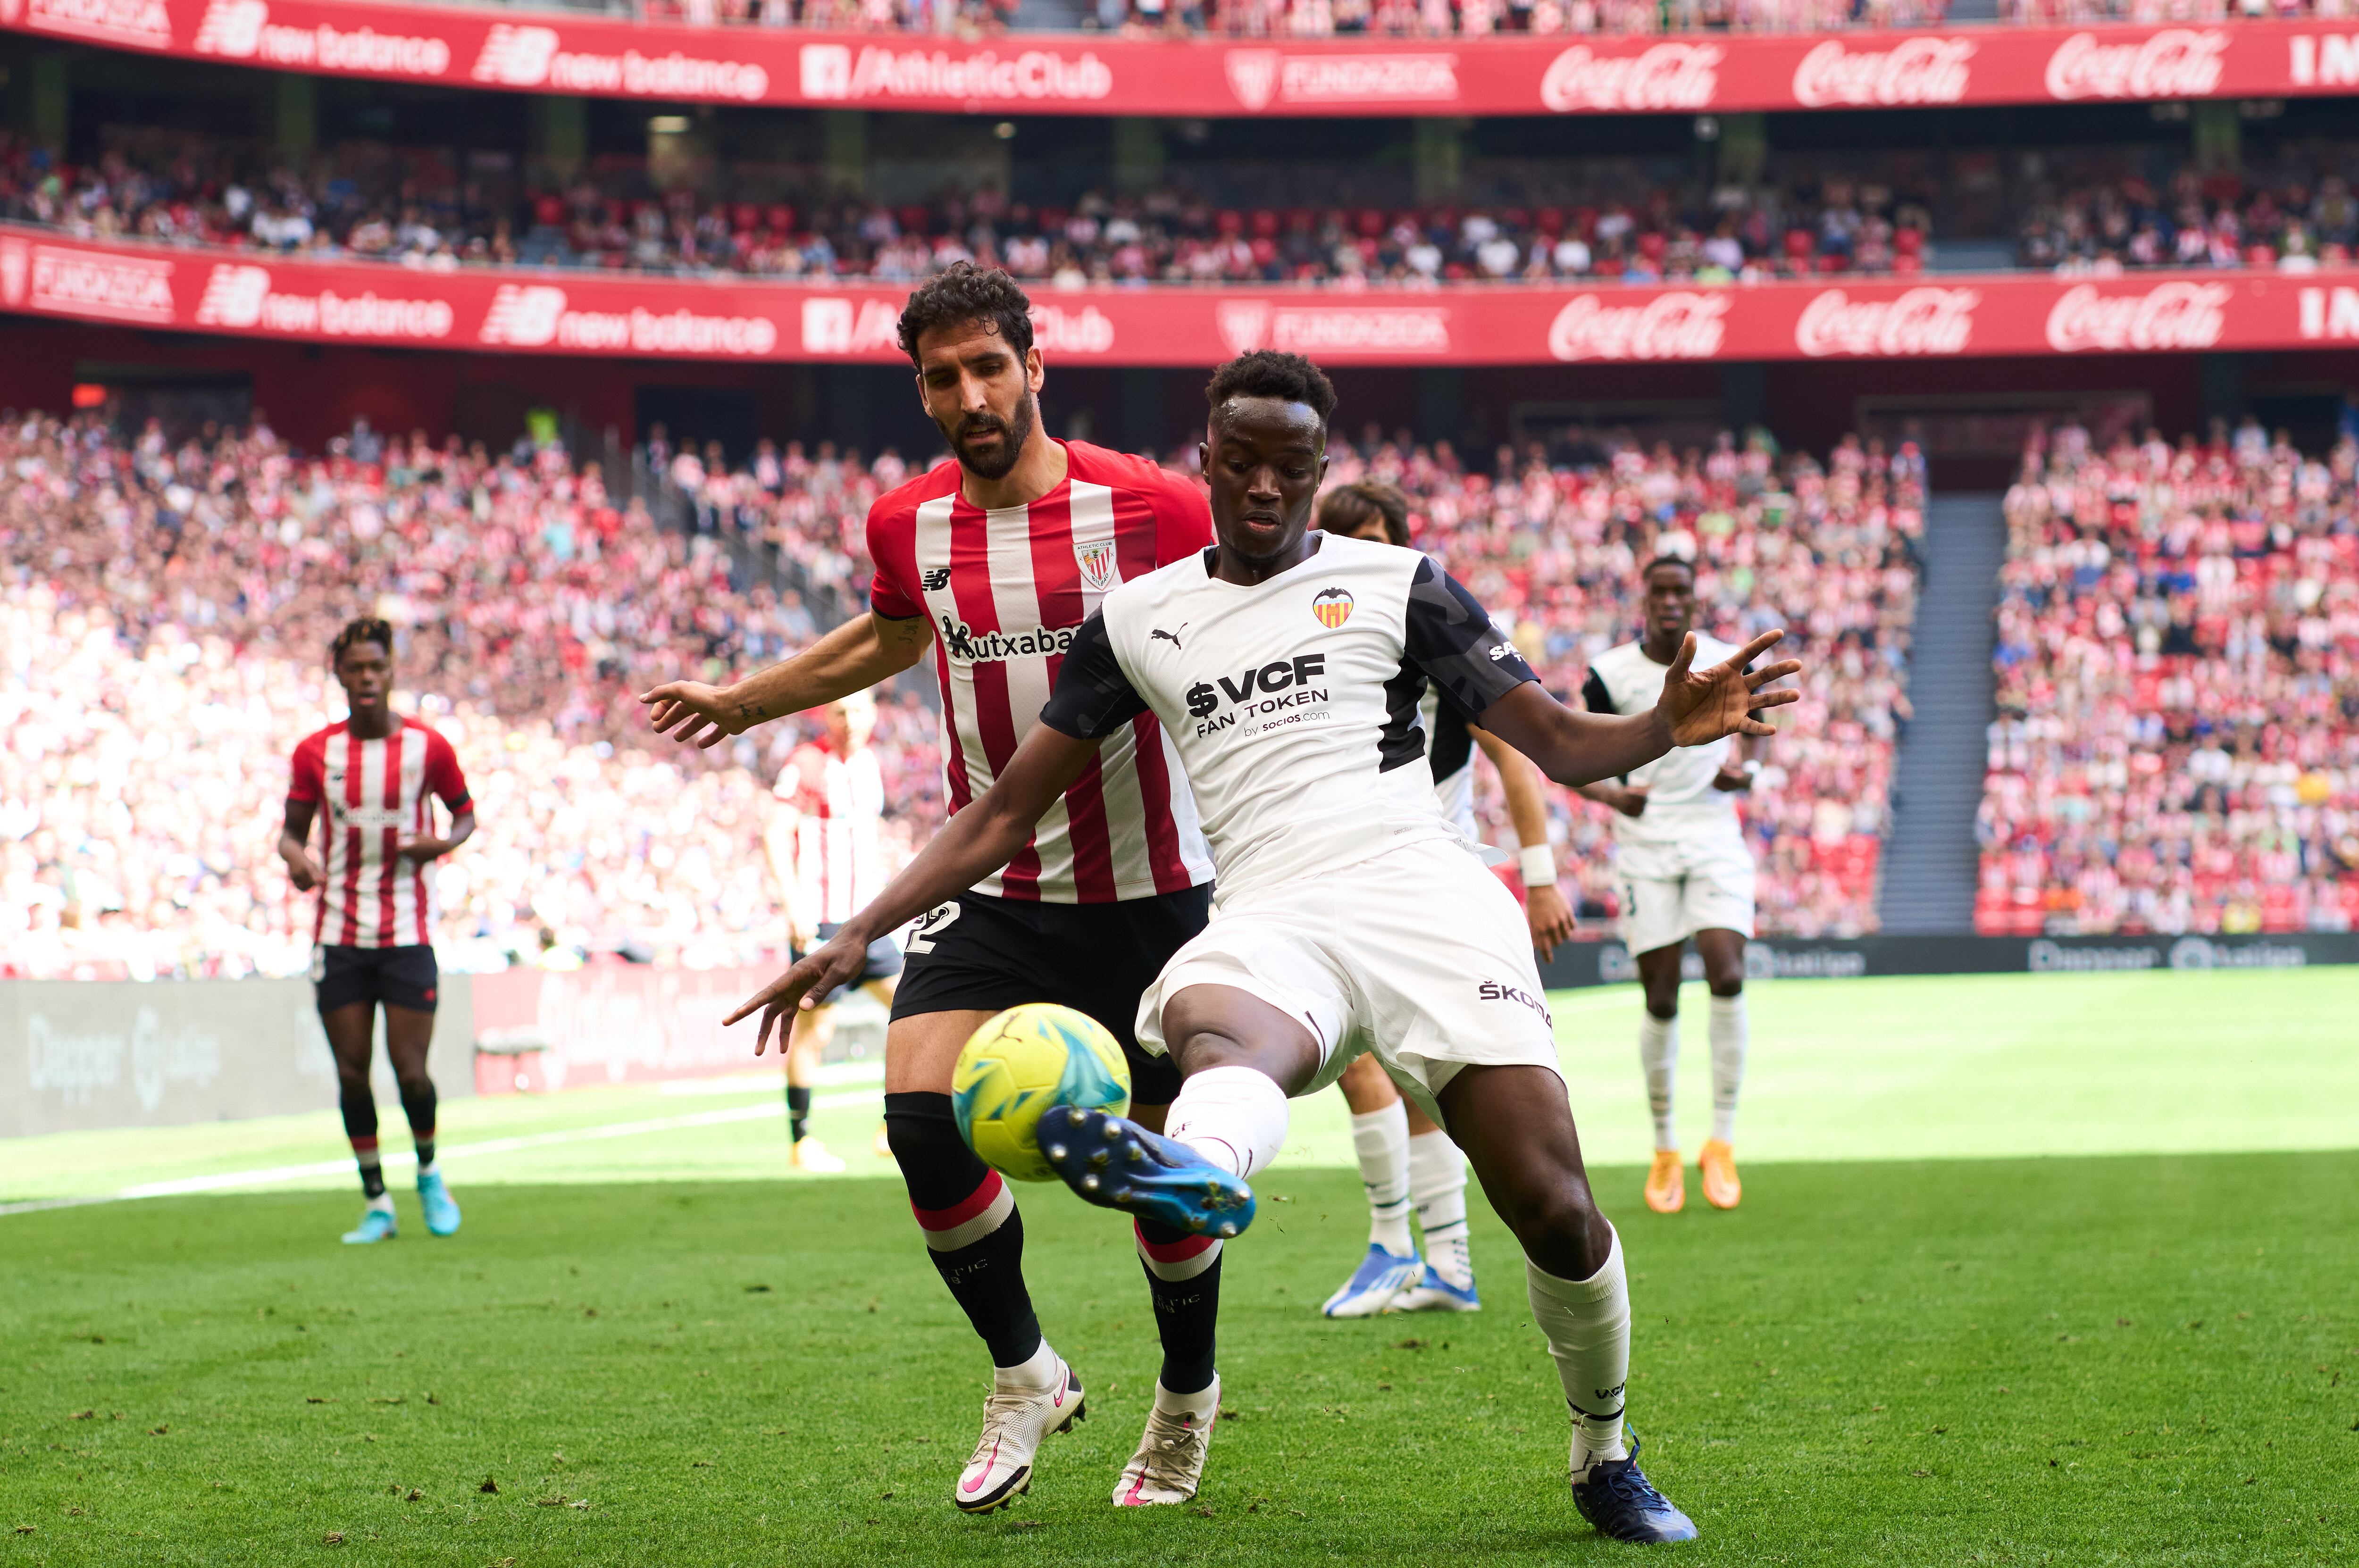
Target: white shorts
[(1419, 955), (1702, 881)]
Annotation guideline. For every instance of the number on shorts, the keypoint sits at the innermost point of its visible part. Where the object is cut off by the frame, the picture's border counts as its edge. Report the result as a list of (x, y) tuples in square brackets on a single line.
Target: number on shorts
[(936, 921)]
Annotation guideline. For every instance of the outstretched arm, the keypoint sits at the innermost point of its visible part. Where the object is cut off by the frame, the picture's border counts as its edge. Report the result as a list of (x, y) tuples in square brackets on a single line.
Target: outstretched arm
[(862, 652), (976, 842), (1697, 706)]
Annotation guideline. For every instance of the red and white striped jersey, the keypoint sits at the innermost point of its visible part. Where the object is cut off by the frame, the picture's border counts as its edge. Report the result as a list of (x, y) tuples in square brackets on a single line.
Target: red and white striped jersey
[(839, 866), (373, 795), (1006, 592)]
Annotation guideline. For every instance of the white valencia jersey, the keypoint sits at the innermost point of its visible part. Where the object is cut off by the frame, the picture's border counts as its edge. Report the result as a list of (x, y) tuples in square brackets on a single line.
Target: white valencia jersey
[(839, 864), (1680, 800), (374, 797), (1294, 702)]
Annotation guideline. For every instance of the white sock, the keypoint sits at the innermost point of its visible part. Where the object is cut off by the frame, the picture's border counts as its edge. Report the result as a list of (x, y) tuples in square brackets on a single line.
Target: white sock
[(1038, 1372), (1436, 1184), (1587, 1322), (1659, 1054), (382, 1203), (427, 1169), (1381, 1140), (1729, 1038), (1204, 1404), (1234, 1116)]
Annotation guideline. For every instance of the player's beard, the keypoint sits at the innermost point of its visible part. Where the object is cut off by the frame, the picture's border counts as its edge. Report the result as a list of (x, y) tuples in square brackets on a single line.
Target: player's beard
[(1015, 431)]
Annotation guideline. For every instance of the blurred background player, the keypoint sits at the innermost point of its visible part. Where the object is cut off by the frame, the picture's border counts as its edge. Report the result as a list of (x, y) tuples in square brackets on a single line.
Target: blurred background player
[(1405, 1160), (822, 841), (1680, 860), (372, 943), (994, 562)]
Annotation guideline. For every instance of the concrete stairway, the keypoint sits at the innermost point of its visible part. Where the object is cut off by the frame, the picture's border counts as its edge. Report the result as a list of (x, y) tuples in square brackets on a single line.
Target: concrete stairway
[(1930, 864)]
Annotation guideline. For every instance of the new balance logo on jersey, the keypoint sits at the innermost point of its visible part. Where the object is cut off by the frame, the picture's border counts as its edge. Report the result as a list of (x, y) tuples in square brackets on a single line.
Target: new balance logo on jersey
[(1280, 685), (1171, 637), (936, 578), (1492, 990), (968, 646)]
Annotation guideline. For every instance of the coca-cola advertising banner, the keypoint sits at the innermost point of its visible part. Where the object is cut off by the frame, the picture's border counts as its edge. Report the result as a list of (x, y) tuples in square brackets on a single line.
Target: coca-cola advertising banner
[(245, 294), (1078, 74)]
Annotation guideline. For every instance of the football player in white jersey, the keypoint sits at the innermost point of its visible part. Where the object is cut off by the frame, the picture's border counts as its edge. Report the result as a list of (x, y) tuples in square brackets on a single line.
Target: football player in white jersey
[(1405, 1161), (1288, 666), (1681, 859), (822, 841)]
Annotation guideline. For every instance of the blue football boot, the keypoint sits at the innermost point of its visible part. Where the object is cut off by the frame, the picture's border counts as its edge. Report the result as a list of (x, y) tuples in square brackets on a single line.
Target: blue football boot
[(1115, 1163), (377, 1224), (441, 1210), (1436, 1293), (1623, 1505), (1380, 1281)]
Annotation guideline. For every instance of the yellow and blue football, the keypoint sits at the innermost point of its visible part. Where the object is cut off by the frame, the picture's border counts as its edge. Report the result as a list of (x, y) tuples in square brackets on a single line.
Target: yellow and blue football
[(1023, 1062)]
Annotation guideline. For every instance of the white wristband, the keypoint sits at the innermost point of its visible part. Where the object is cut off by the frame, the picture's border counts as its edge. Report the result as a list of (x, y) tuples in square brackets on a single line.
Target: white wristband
[(1537, 863)]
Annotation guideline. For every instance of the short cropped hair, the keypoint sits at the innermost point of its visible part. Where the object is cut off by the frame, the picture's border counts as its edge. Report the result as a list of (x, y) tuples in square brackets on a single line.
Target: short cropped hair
[(1266, 373), (363, 629), (1353, 507), (962, 293), (1681, 562)]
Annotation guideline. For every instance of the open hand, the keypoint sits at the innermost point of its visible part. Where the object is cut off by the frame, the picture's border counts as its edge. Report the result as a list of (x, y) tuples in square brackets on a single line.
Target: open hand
[(807, 985), (1700, 705), (689, 710)]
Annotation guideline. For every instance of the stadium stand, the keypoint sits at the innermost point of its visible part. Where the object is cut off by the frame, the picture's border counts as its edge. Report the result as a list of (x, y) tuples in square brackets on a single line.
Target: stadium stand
[(2091, 216), (203, 579), (2177, 745)]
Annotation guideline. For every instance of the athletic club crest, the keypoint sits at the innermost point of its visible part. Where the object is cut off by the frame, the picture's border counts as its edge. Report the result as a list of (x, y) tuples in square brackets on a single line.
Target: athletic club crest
[(1332, 606), (1096, 562)]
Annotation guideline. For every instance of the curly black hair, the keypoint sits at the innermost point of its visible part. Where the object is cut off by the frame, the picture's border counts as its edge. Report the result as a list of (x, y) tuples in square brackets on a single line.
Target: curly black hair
[(1349, 508), (964, 292), (361, 629), (1680, 561), (1266, 373)]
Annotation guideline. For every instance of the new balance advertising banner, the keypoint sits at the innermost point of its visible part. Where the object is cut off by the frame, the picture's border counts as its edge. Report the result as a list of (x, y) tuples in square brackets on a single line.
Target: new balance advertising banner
[(1846, 959), (1073, 74), (240, 294)]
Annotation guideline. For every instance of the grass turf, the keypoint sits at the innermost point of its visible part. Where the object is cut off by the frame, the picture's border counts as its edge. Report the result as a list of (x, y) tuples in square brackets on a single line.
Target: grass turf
[(2132, 1359)]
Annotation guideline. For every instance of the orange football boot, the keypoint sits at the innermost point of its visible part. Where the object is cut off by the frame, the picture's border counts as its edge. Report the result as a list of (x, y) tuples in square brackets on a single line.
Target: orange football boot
[(1717, 1164), (1667, 1186)]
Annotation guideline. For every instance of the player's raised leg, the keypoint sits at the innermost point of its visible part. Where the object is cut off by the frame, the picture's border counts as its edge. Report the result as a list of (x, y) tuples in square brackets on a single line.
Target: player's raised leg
[(1518, 1132), (1658, 1058), (1722, 952), (976, 1237), (1380, 1138), (351, 1028), (409, 1034)]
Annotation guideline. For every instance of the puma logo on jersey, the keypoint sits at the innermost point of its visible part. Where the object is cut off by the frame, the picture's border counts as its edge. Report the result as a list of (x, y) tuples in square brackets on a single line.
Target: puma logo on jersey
[(936, 578), (1171, 637), (1492, 990)]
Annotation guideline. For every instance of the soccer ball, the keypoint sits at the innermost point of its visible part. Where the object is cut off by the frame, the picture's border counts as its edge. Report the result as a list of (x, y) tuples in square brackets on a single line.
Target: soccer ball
[(1018, 1064)]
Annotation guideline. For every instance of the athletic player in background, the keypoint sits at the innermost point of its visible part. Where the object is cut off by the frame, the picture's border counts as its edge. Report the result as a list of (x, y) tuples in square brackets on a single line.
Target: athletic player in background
[(1287, 665), (1405, 1160), (821, 837), (995, 561), (1681, 859), (372, 945)]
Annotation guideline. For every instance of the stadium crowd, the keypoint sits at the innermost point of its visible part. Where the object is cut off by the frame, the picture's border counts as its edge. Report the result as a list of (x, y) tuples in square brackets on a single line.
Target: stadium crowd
[(1613, 222), (2297, 216), (166, 607), (2177, 667)]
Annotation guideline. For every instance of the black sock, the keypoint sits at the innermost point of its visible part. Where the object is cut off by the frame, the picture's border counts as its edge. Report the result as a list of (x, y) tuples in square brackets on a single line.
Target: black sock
[(1187, 1303), (798, 1111), (359, 1106), (972, 1231), (418, 1103)]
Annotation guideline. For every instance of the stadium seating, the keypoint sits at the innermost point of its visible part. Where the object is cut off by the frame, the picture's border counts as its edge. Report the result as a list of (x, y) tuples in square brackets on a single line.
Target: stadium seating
[(2090, 214), (2177, 741)]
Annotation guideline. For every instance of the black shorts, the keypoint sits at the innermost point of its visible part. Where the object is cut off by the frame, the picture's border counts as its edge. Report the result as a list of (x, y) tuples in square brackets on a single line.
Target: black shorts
[(397, 977), (988, 954), (883, 957)]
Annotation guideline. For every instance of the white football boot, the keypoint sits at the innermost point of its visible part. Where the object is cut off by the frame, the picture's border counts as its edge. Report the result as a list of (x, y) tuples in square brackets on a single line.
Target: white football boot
[(1014, 1421), (1170, 1457)]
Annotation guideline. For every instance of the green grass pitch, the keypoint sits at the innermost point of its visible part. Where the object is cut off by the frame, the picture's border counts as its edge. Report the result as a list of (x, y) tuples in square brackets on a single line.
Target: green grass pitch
[(2029, 1270)]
